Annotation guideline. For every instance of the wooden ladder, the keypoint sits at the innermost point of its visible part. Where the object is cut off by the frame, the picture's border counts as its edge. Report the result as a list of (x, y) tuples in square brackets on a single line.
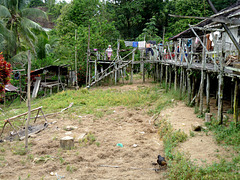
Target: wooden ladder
[(113, 68)]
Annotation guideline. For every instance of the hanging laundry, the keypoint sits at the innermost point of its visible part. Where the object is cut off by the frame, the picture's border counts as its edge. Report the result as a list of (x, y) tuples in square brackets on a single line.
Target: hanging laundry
[(135, 44), (209, 43), (141, 44), (196, 41), (189, 43), (128, 43)]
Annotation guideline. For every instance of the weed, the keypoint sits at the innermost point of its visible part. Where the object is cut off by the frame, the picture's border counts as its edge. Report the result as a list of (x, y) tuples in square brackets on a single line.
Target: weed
[(61, 160), (192, 134), (98, 144), (89, 139), (30, 157), (20, 150), (71, 168), (2, 149)]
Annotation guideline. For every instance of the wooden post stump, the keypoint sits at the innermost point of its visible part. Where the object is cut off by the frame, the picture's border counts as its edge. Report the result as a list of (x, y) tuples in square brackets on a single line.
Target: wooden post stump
[(208, 117), (67, 143)]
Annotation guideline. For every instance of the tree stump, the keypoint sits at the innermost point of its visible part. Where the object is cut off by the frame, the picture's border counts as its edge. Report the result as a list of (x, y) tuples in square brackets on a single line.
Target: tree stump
[(67, 143)]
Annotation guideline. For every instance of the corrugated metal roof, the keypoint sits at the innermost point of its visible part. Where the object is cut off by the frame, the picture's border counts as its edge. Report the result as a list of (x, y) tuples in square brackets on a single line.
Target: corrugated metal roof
[(229, 11), (10, 88)]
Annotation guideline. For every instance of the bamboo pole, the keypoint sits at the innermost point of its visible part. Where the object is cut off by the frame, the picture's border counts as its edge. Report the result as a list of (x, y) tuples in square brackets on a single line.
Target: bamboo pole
[(28, 100)]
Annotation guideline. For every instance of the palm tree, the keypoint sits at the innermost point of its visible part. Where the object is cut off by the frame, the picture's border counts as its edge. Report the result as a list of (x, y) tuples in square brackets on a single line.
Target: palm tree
[(17, 29)]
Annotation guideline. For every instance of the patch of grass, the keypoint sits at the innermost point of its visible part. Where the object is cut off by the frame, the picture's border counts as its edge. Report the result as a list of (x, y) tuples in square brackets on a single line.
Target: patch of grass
[(229, 135), (20, 150), (71, 168), (2, 149), (98, 144), (88, 139), (61, 160), (192, 134)]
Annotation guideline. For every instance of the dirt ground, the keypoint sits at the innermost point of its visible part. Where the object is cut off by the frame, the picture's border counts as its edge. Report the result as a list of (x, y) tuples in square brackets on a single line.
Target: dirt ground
[(104, 159)]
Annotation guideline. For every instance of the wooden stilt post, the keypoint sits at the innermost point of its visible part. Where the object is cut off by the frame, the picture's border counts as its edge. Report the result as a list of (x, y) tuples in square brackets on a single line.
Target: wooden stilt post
[(232, 94), (75, 60), (202, 75), (184, 81), (193, 87), (189, 86), (170, 77), (220, 85), (95, 69), (59, 79), (161, 74), (88, 55), (181, 81), (220, 98), (157, 71), (28, 100), (235, 105), (20, 86), (143, 73), (208, 93), (175, 78), (89, 70), (166, 79), (133, 55)]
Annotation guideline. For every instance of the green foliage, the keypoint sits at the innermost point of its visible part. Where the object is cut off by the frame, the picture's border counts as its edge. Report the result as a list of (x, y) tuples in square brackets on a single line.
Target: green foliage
[(17, 29), (229, 135), (35, 3)]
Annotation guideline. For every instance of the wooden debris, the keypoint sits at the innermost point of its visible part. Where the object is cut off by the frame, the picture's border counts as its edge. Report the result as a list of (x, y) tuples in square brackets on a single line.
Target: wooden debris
[(67, 142)]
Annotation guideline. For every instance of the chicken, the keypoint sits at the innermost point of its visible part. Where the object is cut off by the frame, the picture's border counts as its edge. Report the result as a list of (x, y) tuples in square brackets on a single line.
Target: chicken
[(161, 161)]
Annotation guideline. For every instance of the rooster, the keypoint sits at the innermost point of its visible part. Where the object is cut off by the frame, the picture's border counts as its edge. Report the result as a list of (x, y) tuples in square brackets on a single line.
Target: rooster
[(161, 161)]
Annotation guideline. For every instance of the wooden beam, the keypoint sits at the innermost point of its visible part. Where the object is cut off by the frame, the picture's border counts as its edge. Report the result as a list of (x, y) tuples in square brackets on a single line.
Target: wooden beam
[(207, 29), (187, 17), (226, 20)]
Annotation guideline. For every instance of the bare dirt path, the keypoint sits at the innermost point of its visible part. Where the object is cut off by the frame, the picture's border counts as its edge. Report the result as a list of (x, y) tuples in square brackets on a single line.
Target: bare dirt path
[(202, 148)]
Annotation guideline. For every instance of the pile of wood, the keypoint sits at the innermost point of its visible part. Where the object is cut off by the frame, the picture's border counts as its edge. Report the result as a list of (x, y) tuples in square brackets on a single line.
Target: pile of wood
[(231, 59)]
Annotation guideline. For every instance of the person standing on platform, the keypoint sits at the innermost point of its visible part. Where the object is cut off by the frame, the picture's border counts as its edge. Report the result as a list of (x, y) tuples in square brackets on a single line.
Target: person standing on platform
[(109, 52)]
